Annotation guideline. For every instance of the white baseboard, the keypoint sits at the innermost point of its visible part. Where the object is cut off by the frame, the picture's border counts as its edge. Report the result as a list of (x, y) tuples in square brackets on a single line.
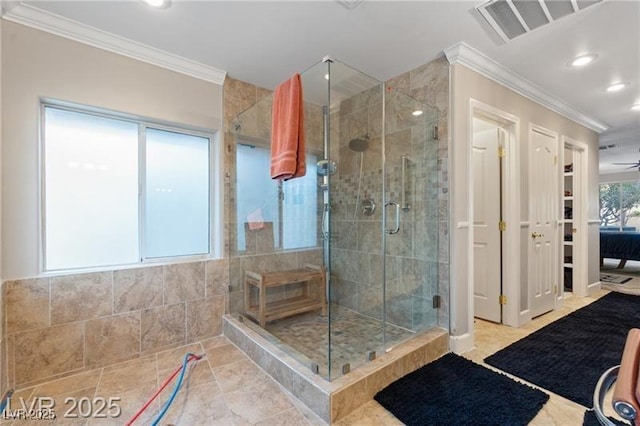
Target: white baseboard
[(461, 344), (524, 317), (592, 288)]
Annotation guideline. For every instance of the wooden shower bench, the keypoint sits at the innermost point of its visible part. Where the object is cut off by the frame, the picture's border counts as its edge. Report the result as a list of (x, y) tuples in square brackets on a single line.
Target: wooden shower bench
[(263, 311)]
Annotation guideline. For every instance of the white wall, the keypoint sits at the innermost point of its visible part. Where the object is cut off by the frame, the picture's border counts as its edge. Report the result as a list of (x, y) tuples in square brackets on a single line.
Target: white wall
[(36, 64), (466, 85), (1, 132)]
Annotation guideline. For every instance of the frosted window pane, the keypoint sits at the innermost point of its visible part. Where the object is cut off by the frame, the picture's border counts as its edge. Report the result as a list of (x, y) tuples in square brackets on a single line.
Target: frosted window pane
[(293, 217), (177, 194), (257, 193), (300, 222), (91, 190)]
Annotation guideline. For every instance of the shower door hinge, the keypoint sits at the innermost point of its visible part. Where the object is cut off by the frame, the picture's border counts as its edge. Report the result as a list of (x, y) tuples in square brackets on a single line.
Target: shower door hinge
[(502, 226), (502, 152), (435, 133), (437, 301), (502, 299)]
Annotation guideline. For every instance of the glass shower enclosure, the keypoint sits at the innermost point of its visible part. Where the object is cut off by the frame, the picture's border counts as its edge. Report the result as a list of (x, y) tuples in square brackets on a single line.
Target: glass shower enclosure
[(365, 213)]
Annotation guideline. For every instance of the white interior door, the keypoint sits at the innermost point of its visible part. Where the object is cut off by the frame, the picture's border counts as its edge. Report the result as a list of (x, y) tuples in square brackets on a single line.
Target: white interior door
[(486, 234), (544, 259)]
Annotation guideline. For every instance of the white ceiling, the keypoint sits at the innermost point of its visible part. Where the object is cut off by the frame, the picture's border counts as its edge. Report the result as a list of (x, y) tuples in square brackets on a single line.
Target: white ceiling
[(264, 42)]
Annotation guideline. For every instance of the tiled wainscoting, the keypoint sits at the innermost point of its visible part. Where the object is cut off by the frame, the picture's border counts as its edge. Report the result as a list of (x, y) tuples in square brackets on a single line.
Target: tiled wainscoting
[(62, 325), (333, 400)]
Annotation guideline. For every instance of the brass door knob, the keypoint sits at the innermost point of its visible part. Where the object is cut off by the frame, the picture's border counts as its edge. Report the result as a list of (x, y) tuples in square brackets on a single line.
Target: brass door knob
[(536, 235)]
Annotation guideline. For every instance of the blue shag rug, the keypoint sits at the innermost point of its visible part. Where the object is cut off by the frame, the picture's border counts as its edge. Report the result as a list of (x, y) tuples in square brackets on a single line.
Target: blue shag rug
[(453, 390), (568, 356)]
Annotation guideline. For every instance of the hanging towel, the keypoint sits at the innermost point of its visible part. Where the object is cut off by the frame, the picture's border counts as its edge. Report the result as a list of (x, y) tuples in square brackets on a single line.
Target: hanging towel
[(287, 131), (255, 220)]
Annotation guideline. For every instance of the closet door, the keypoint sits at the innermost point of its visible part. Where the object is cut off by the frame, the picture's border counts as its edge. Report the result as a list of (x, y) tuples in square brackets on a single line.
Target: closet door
[(487, 284), (543, 207)]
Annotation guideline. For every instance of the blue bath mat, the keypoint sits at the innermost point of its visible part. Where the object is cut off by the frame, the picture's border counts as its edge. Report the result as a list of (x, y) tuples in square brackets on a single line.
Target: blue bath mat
[(454, 390)]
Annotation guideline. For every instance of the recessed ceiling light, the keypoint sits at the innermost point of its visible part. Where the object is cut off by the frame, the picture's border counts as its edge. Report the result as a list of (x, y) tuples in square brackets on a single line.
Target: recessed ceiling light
[(616, 87), (636, 107), (582, 60), (326, 76), (417, 113), (158, 4)]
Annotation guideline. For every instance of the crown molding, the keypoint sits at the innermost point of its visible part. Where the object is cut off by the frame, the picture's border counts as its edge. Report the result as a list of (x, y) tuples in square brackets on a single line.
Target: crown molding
[(463, 54), (45, 21)]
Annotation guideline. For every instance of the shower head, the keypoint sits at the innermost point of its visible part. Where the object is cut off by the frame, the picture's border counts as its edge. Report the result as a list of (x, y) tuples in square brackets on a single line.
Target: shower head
[(360, 144)]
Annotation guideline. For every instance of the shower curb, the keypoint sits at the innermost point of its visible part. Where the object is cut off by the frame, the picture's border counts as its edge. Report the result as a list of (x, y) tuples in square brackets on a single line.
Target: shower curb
[(334, 400)]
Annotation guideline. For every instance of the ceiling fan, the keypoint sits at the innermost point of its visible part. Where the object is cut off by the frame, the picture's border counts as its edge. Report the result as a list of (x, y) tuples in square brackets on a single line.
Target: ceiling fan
[(635, 165)]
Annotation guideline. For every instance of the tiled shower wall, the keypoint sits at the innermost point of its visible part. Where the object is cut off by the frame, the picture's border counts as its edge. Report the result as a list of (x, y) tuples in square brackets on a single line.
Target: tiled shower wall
[(67, 324), (429, 83), (417, 257)]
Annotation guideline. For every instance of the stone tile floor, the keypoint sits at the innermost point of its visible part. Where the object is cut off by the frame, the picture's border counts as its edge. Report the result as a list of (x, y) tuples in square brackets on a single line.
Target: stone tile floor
[(353, 336), (227, 388), (224, 388)]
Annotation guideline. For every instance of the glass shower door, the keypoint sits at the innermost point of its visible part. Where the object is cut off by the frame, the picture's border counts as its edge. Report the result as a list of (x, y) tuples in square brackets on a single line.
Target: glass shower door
[(411, 218), (356, 284)]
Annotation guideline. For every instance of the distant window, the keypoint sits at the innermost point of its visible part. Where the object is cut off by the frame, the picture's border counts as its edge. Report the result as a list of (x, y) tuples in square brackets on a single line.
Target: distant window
[(121, 191), (289, 208), (620, 206)]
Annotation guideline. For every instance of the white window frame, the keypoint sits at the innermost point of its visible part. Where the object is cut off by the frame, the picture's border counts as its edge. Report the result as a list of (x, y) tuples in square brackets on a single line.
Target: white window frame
[(216, 183)]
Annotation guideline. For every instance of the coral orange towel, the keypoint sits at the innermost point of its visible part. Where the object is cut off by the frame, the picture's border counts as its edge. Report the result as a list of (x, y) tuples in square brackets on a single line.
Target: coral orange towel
[(287, 131)]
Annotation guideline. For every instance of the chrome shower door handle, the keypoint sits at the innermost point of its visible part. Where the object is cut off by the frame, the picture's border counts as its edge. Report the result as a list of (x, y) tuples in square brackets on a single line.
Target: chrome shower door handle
[(397, 227)]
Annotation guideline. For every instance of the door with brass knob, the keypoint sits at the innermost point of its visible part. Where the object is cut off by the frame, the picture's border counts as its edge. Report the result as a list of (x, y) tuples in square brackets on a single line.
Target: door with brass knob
[(544, 260)]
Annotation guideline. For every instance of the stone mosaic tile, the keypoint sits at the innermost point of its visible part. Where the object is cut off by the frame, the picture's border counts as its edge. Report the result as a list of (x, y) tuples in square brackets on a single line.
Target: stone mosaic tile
[(353, 336)]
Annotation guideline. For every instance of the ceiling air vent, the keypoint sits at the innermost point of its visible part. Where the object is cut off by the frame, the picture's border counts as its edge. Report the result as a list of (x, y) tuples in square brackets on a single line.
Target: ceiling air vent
[(512, 18), (349, 4), (605, 147)]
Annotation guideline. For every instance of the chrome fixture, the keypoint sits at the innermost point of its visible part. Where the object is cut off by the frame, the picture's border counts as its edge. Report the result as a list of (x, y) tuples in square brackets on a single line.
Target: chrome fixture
[(396, 228), (360, 144), (404, 160), (368, 206), (326, 167)]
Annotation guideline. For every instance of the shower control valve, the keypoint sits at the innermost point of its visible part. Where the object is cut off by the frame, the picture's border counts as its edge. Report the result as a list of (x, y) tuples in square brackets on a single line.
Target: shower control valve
[(368, 206)]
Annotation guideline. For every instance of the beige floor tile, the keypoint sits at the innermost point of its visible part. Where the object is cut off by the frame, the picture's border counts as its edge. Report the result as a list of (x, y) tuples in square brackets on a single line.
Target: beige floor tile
[(215, 342), (370, 413), (200, 405), (67, 409), (239, 375), (198, 373), (259, 402), (128, 376), (173, 358), (287, 418), (131, 401), (221, 355)]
